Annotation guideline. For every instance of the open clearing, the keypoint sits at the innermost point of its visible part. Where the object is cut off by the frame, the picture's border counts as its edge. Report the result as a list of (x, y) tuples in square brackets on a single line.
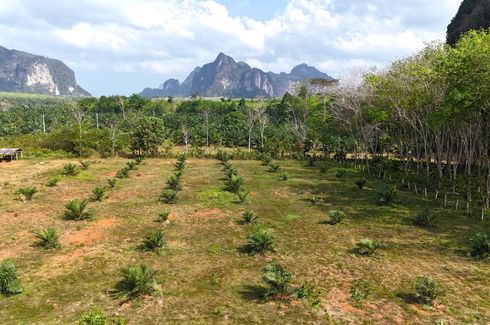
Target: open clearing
[(203, 276)]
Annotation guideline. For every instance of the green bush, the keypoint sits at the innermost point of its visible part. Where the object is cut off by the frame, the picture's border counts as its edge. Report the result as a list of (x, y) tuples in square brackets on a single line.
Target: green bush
[(111, 182), (154, 241), (242, 196), (367, 246), (94, 317), (70, 170), (248, 218), (361, 183), (168, 196), (480, 245), (425, 219), (266, 160), (284, 177), (52, 182), (9, 282), (77, 210), (27, 192), (274, 168), (340, 173), (84, 164), (308, 292), (123, 173), (425, 290), (48, 239), (387, 196), (163, 216), (360, 290), (98, 194), (174, 183), (234, 184), (277, 281), (261, 240), (137, 281), (336, 216)]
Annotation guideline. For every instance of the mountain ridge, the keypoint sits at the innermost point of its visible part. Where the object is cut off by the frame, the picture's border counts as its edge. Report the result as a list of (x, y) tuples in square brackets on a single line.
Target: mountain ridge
[(225, 77), (472, 14)]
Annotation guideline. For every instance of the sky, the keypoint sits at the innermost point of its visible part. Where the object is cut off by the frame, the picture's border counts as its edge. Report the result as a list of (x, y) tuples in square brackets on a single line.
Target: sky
[(123, 46)]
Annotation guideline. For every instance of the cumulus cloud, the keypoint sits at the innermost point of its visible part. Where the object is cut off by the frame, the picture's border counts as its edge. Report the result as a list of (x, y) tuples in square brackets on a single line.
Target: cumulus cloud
[(121, 46)]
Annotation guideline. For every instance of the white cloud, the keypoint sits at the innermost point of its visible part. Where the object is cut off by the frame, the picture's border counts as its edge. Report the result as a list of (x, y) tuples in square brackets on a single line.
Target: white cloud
[(168, 38)]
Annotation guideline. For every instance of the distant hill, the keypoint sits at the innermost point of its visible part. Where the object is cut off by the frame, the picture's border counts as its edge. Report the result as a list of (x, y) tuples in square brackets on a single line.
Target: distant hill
[(224, 77), (472, 14), (28, 73)]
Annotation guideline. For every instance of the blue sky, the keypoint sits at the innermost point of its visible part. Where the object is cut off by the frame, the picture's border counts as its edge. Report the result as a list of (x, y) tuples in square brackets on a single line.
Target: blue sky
[(123, 46)]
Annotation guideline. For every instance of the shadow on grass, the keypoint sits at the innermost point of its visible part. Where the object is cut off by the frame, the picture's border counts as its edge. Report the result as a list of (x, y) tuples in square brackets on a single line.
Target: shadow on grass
[(408, 297), (253, 293)]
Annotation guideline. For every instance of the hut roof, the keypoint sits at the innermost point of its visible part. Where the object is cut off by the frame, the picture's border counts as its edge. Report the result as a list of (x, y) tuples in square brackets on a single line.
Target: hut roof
[(9, 151)]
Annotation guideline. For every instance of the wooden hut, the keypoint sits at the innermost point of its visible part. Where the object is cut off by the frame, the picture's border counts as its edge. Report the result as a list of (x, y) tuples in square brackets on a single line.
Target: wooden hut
[(9, 154)]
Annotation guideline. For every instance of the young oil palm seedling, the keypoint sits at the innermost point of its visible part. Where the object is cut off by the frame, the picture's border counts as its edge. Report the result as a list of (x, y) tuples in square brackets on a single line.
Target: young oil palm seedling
[(367, 246), (260, 241), (98, 194), (138, 160), (311, 161), (266, 160), (131, 165), (154, 241), (179, 165), (111, 183), (242, 195), (425, 290), (137, 281), (425, 219), (274, 168), (248, 218), (78, 210), (339, 174), (9, 282), (284, 177), (361, 183), (234, 183), (168, 196), (277, 281), (84, 164), (336, 217), (26, 193), (230, 172), (52, 182), (70, 170), (174, 183), (480, 245), (313, 200), (387, 196), (163, 216), (48, 239), (123, 173)]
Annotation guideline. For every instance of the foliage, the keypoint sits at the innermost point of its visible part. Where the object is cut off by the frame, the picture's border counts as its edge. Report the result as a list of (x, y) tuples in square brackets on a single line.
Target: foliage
[(174, 183), (367, 246), (248, 218), (48, 239), (260, 241), (360, 290), (154, 241), (52, 182), (313, 200), (93, 317), (266, 160), (284, 177), (277, 281), (308, 292), (234, 183), (480, 245), (9, 282), (111, 183), (147, 136), (163, 216), (168, 196), (27, 192), (425, 219), (242, 196), (361, 183), (137, 281), (274, 168), (123, 173), (336, 216), (70, 170), (98, 193), (84, 164), (387, 196), (78, 210), (425, 290), (340, 173)]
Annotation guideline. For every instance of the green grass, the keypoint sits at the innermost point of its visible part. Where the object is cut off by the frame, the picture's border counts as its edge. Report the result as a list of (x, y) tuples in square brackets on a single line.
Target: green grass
[(204, 278)]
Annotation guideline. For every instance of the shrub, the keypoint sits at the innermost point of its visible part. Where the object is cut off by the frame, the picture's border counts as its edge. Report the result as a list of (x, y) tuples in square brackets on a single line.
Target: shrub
[(111, 183), (339, 174), (52, 182), (48, 239), (182, 158), (425, 290), (242, 196), (277, 281), (70, 170), (168, 196), (234, 183), (179, 165), (223, 156), (336, 217), (163, 216), (480, 245), (361, 183), (77, 210), (98, 194), (9, 282), (307, 291), (360, 290), (260, 241), (367, 246), (123, 173), (314, 200), (229, 172), (94, 317), (174, 183), (154, 241), (138, 160), (248, 218), (131, 165), (266, 160), (27, 192), (84, 164), (387, 197), (425, 219), (137, 281), (284, 177), (274, 168)]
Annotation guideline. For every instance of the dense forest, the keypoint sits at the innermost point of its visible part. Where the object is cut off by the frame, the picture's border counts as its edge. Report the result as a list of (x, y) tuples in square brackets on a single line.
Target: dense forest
[(430, 112)]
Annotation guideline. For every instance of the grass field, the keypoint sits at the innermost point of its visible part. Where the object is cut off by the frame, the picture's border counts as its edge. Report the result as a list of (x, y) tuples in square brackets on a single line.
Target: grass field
[(203, 276)]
